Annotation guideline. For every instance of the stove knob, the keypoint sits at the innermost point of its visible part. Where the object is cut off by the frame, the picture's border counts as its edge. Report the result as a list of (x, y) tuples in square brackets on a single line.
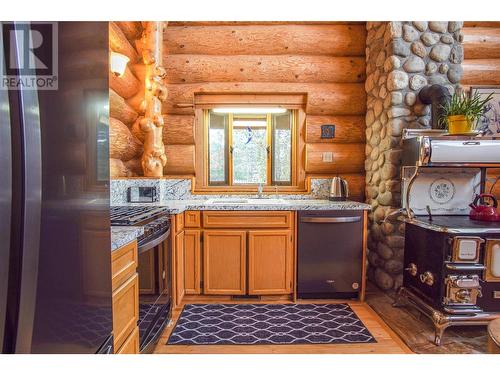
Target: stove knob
[(412, 269), (427, 278)]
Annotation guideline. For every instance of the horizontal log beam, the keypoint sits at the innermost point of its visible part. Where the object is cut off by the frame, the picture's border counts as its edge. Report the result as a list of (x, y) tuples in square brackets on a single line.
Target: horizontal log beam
[(481, 43), (481, 72), (178, 130), (346, 158), (180, 160), (118, 169), (481, 24), (348, 129), (323, 98), (122, 144), (126, 86), (261, 23), (131, 29), (135, 166), (333, 40), (118, 42), (278, 68), (119, 109)]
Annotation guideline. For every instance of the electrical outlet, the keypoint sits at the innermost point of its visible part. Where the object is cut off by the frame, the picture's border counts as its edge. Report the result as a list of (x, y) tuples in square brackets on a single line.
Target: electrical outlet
[(327, 157)]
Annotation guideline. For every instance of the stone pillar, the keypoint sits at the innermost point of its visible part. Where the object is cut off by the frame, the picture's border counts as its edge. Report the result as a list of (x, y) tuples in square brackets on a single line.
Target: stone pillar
[(401, 58)]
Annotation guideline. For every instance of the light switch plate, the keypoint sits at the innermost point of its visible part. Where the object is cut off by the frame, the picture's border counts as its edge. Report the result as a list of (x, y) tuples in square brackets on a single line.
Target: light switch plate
[(327, 157)]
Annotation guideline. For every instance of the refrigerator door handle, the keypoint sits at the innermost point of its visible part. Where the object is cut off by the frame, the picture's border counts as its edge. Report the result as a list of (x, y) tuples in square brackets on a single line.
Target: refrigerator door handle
[(31, 209), (5, 195)]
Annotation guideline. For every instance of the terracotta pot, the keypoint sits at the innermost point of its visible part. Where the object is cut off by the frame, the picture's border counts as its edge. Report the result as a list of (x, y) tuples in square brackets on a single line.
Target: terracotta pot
[(459, 124)]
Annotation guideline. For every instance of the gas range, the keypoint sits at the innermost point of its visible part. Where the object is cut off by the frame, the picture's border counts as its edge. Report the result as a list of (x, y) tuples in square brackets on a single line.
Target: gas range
[(154, 220)]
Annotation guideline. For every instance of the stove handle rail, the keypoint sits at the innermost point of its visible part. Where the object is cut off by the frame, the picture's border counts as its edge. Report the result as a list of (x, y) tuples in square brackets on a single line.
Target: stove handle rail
[(465, 267), (153, 242)]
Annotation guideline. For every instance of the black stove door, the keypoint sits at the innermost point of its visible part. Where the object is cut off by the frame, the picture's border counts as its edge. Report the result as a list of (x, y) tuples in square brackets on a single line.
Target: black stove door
[(426, 250), (154, 293)]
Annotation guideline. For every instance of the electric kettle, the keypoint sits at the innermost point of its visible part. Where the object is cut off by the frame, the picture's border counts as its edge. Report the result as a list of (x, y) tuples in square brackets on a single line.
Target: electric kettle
[(339, 189)]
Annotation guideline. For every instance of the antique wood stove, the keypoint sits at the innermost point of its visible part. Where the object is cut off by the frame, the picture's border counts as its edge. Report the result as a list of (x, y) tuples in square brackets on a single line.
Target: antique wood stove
[(452, 263)]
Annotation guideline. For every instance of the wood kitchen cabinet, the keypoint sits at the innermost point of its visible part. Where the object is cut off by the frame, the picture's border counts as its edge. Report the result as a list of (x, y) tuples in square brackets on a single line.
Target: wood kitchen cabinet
[(234, 253), (224, 263), (125, 298), (179, 266), (270, 262), (192, 261)]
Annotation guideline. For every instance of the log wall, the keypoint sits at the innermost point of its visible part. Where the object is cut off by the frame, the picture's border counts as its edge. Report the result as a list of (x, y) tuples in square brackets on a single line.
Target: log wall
[(482, 64), (125, 148), (325, 61)]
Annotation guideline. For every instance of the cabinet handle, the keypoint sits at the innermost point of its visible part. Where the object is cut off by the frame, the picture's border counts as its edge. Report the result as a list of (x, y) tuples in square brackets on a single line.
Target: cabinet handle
[(348, 219)]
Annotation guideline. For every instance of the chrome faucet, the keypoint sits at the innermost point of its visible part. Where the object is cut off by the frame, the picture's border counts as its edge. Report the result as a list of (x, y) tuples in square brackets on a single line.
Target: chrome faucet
[(260, 189)]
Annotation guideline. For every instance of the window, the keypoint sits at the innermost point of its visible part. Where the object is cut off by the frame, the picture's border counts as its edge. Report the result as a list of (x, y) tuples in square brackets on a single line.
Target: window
[(248, 146)]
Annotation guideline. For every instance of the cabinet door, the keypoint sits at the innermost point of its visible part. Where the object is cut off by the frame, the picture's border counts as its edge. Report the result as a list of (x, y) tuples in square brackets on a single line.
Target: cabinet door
[(125, 310), (179, 267), (224, 262), (192, 267), (270, 262)]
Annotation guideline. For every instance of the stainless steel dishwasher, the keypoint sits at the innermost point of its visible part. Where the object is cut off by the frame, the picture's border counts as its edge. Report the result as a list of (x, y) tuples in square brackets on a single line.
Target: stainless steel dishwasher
[(330, 254)]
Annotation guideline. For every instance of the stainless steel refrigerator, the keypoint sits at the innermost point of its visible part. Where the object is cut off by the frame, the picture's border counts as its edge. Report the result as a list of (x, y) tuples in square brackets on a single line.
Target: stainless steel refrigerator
[(55, 257)]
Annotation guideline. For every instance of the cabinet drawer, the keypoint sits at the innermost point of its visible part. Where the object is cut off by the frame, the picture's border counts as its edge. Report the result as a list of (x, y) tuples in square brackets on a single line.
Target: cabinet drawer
[(131, 344), (123, 263), (192, 219), (125, 310), (247, 219)]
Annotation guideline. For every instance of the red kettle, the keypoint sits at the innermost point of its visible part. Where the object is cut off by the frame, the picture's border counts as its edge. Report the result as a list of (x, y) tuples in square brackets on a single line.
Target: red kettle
[(484, 212)]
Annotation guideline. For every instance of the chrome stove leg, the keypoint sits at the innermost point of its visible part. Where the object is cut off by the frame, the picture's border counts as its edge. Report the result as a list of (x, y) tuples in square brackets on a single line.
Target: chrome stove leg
[(441, 322)]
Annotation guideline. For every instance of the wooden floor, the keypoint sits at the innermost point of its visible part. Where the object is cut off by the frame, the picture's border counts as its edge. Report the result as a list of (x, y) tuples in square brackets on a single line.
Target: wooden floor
[(387, 340), (417, 331)]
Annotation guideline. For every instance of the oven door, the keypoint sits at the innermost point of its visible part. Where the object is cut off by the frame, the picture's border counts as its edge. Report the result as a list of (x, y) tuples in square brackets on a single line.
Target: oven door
[(154, 292)]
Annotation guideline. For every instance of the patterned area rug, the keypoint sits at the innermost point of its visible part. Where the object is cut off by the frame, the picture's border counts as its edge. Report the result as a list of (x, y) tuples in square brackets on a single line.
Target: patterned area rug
[(247, 324)]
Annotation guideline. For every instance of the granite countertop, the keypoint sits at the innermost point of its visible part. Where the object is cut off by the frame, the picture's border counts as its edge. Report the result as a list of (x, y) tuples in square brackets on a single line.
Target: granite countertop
[(179, 206), (121, 236)]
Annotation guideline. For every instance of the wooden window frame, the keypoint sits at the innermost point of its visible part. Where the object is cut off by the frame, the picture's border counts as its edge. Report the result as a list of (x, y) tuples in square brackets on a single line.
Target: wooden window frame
[(294, 102), (229, 157)]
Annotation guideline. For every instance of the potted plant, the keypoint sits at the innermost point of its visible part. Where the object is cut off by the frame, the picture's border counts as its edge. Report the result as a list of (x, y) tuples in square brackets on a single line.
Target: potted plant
[(461, 113)]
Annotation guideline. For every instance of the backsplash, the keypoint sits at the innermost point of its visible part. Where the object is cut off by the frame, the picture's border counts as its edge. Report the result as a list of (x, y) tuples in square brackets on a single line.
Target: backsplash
[(180, 189)]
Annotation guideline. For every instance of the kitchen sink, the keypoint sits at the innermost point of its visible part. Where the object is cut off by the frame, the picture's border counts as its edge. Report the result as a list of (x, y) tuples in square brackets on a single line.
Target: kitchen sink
[(226, 201), (267, 201), (245, 201)]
